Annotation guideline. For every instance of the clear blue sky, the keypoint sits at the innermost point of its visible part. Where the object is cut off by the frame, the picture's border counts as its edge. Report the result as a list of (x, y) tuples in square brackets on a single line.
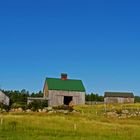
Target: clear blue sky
[(97, 41)]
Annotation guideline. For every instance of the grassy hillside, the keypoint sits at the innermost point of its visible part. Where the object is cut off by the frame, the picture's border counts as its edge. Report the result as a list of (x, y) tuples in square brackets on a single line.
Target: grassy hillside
[(90, 124)]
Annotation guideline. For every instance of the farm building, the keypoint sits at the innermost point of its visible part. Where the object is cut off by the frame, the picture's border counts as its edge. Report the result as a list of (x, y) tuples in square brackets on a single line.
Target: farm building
[(31, 99), (62, 90), (4, 99), (118, 97)]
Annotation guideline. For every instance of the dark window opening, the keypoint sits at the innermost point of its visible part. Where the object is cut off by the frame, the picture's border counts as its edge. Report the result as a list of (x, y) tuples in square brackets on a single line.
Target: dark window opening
[(67, 100)]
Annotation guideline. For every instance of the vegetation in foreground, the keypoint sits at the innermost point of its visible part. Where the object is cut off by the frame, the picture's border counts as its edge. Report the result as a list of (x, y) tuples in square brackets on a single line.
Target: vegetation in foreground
[(89, 123)]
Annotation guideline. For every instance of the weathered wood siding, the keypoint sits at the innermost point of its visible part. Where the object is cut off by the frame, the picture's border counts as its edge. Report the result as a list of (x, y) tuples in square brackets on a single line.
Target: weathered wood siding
[(111, 100), (45, 90), (56, 98), (4, 99)]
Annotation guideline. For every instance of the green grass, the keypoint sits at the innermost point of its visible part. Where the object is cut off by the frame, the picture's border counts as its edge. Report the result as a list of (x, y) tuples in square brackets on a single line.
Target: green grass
[(90, 124)]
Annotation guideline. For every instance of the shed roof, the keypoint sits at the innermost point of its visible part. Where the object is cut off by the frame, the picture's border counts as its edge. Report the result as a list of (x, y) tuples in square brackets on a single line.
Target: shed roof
[(65, 85), (4, 98), (119, 94), (2, 94)]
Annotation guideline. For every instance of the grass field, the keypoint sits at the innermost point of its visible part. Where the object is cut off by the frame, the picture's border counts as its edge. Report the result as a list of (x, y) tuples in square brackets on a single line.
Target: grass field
[(89, 124)]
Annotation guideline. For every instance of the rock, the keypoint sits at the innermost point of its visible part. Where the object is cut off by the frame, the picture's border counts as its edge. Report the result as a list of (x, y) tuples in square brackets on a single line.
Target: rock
[(112, 115), (16, 110), (3, 110), (59, 111), (49, 108), (123, 116), (50, 112), (125, 111), (131, 115), (74, 111), (44, 110), (39, 110), (19, 110), (66, 112), (28, 110), (12, 110), (137, 113), (134, 114)]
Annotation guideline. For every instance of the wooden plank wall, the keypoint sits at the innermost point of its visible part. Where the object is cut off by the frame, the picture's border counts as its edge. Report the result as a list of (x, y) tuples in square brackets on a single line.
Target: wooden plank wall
[(57, 97), (118, 100)]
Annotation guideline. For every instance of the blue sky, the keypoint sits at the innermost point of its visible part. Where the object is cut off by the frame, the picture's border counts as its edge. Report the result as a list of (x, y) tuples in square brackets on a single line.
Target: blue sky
[(96, 41)]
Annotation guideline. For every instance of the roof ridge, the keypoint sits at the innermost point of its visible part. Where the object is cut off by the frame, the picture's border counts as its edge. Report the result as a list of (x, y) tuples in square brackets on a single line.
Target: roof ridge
[(119, 92), (63, 80)]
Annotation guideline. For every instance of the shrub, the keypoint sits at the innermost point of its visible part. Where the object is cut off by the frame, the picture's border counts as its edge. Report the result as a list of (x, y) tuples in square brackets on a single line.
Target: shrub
[(35, 105), (19, 105), (119, 111), (5, 107)]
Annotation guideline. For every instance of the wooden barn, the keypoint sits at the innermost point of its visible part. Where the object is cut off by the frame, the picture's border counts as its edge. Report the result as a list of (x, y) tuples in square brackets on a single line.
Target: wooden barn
[(62, 90), (118, 97), (4, 99)]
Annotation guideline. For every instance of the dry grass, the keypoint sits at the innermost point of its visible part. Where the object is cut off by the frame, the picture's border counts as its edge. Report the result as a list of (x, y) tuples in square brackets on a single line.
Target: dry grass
[(90, 124)]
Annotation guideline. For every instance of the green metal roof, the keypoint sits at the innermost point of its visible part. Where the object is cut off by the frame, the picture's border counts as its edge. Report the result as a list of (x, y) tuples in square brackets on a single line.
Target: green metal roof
[(65, 85), (119, 94)]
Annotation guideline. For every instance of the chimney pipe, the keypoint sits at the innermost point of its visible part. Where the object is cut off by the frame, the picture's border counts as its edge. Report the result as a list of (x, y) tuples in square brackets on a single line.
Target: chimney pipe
[(64, 76)]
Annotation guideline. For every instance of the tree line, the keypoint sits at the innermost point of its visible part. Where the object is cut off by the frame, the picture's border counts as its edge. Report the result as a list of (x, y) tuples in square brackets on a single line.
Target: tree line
[(99, 98), (94, 97), (19, 98)]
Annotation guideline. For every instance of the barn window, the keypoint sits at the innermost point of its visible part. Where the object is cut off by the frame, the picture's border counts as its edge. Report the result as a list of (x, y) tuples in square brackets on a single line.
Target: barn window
[(67, 100)]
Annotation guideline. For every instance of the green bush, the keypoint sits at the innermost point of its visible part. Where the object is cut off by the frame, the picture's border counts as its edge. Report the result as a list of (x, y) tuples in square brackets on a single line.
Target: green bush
[(19, 105), (35, 105), (5, 107)]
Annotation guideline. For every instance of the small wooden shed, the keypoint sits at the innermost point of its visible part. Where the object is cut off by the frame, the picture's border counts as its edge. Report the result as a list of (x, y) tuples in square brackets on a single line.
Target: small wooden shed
[(118, 97), (4, 99), (62, 90)]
